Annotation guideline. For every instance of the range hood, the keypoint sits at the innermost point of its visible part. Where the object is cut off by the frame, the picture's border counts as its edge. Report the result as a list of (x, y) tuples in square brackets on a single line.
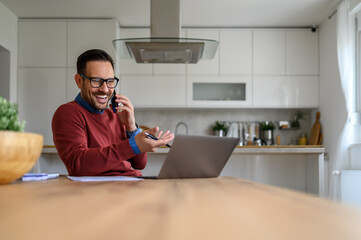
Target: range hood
[(165, 44)]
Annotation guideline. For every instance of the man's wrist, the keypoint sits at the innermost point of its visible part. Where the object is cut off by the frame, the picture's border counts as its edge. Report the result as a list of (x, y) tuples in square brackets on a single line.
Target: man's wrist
[(130, 133)]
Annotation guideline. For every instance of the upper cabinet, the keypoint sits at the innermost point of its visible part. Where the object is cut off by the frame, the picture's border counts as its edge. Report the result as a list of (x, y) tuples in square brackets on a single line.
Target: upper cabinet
[(42, 44), (261, 68), (285, 92), (269, 49), (204, 67), (48, 51), (154, 91), (302, 52), (285, 52), (88, 34), (235, 52)]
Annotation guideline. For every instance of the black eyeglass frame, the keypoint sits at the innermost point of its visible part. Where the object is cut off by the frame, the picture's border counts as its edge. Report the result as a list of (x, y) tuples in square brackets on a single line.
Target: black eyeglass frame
[(101, 79)]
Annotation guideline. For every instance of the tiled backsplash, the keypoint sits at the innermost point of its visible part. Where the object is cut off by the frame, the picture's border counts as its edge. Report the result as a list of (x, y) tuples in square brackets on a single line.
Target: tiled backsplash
[(201, 121)]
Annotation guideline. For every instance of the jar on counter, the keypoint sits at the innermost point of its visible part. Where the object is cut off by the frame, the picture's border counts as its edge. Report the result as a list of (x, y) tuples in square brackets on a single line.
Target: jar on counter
[(303, 139)]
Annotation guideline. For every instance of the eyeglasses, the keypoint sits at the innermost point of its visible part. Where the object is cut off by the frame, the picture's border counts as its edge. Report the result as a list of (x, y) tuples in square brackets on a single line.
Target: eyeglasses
[(97, 82)]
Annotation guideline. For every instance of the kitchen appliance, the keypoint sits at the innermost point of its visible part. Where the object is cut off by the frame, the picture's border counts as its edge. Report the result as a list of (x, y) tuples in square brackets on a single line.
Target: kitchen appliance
[(165, 44)]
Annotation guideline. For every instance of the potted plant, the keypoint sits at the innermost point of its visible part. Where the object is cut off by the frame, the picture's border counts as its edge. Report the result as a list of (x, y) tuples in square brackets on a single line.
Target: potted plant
[(19, 151), (267, 128), (219, 129), (298, 116)]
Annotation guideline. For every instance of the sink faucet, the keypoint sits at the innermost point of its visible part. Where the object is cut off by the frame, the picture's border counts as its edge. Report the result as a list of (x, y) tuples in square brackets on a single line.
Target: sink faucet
[(181, 123)]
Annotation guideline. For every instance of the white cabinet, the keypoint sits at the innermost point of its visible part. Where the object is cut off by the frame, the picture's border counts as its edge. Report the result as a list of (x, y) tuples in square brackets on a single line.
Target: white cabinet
[(285, 92), (269, 49), (40, 92), (235, 52), (219, 91), (42, 44), (302, 52), (129, 66), (48, 50), (154, 91), (204, 67), (72, 89), (88, 34)]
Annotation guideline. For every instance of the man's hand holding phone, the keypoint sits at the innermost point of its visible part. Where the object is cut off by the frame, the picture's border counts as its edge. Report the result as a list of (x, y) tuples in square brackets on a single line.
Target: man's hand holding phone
[(124, 109)]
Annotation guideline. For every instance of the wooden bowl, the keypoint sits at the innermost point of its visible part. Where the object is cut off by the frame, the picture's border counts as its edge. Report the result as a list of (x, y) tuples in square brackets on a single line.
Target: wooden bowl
[(18, 153)]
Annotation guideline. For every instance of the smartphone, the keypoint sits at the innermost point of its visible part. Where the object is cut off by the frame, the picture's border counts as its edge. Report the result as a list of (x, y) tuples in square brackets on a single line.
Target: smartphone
[(114, 103)]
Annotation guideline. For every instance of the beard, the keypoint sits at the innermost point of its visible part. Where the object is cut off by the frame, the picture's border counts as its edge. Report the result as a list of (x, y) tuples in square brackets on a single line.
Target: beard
[(91, 98)]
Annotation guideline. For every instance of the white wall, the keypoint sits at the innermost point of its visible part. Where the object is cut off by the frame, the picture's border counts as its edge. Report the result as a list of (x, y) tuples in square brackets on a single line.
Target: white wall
[(332, 102), (9, 40)]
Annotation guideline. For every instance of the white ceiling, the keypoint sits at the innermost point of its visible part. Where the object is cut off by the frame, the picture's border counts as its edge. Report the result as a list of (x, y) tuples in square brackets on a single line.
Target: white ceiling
[(202, 13)]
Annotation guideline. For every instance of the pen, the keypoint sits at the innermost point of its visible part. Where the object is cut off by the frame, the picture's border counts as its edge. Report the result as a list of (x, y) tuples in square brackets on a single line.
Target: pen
[(152, 137)]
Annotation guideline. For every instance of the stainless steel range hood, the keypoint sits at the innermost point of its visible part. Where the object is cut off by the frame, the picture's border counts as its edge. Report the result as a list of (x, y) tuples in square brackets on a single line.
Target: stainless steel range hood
[(165, 44)]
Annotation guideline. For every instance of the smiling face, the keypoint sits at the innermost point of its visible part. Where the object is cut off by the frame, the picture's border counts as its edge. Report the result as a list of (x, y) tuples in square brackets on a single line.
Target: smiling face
[(96, 97)]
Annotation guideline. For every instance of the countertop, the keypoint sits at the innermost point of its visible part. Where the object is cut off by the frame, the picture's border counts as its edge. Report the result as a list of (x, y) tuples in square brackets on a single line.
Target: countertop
[(275, 149), (214, 208)]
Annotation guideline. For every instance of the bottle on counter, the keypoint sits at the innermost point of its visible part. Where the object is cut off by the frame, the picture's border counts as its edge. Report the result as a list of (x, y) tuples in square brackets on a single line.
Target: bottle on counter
[(303, 139)]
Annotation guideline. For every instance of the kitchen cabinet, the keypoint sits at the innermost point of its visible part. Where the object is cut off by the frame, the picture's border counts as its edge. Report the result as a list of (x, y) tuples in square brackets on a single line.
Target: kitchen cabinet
[(235, 50), (219, 91), (154, 91), (88, 34), (42, 43), (48, 50), (269, 49), (40, 92), (72, 89), (129, 66), (285, 91), (302, 52), (204, 67)]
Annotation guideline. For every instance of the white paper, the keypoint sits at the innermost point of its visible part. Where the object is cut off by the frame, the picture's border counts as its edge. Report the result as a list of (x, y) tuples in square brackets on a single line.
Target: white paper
[(39, 176), (103, 178)]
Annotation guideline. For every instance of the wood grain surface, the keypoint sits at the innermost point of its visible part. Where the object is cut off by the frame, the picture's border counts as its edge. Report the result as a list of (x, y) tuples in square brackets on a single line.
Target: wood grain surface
[(315, 131), (217, 208)]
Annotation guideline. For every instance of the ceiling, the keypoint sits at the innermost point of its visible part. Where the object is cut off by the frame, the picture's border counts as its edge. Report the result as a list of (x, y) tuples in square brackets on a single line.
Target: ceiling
[(194, 13)]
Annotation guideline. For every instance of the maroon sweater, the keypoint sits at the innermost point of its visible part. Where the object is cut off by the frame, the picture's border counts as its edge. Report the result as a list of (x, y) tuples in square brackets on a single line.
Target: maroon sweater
[(92, 144)]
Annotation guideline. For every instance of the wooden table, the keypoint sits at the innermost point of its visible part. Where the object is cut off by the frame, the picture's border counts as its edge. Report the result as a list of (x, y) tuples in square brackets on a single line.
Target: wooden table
[(217, 208)]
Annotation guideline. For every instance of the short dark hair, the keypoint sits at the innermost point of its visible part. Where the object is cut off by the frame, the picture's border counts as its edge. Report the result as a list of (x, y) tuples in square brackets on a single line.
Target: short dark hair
[(92, 55)]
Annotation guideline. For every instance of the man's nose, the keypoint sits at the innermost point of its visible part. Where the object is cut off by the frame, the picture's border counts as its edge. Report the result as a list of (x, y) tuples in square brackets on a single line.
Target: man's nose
[(104, 87)]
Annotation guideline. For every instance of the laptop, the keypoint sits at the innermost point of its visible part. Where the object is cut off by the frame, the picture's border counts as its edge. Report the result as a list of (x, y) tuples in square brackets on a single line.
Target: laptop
[(197, 157)]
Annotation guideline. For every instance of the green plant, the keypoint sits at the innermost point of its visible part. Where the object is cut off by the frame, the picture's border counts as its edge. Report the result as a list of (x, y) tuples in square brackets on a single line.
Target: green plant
[(9, 116), (298, 116), (265, 126), (219, 126)]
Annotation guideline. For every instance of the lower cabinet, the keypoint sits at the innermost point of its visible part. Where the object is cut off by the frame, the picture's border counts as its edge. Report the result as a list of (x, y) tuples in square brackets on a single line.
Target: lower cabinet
[(40, 93), (285, 92)]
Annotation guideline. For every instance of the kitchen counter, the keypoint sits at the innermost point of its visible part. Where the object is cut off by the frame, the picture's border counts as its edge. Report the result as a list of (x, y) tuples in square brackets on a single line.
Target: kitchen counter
[(215, 208), (315, 162), (287, 149)]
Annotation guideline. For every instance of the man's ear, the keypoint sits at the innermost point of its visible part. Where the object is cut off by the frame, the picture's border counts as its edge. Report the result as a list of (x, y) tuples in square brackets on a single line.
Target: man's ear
[(78, 80)]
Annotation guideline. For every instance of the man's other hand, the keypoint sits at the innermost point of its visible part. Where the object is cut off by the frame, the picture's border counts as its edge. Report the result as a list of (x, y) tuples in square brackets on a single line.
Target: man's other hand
[(146, 144)]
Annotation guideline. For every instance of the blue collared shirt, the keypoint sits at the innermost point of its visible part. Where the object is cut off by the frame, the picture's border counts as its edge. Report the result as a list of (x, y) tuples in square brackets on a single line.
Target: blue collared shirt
[(91, 109), (86, 105)]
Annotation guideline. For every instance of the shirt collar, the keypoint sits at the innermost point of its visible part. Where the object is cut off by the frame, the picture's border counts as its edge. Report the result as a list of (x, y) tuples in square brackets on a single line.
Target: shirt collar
[(86, 105)]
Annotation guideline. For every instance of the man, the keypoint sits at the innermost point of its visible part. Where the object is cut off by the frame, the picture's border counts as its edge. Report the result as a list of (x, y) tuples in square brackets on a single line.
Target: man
[(90, 138)]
